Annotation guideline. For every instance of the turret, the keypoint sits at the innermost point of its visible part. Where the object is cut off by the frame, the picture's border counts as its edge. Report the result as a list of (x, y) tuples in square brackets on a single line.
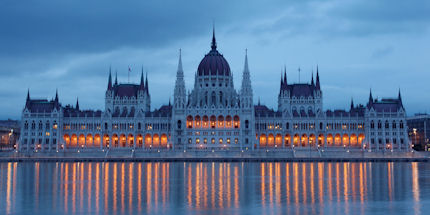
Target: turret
[(399, 98), (27, 101), (109, 87), (116, 78), (142, 83), (146, 84), (77, 104), (179, 95), (246, 89), (312, 80), (370, 103), (317, 85), (352, 104)]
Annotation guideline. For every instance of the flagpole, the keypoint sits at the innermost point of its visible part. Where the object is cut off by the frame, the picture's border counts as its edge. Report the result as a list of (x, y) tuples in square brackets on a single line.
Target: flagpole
[(128, 74)]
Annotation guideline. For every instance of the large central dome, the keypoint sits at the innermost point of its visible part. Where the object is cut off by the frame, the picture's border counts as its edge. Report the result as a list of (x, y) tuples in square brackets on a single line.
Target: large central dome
[(213, 63)]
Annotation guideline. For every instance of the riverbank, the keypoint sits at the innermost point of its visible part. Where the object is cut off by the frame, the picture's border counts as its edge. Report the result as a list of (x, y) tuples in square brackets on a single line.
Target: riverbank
[(215, 156)]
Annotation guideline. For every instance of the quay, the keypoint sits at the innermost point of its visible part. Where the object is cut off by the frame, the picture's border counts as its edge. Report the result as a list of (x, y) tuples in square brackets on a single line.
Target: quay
[(130, 155)]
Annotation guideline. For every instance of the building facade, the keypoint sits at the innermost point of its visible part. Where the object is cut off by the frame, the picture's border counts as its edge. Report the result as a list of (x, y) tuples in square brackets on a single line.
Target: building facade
[(213, 115), (419, 131)]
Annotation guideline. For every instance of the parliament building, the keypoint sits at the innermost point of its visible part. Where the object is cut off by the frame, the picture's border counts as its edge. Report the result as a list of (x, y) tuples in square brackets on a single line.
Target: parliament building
[(213, 115)]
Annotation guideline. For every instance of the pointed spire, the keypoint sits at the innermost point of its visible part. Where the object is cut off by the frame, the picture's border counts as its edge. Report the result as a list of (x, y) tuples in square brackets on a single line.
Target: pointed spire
[(213, 45), (285, 75), (399, 97), (146, 84), (116, 78), (110, 79), (282, 81), (370, 98), (318, 80), (180, 61), (312, 80), (142, 83), (352, 103), (28, 95), (56, 95), (77, 104), (27, 101), (258, 101)]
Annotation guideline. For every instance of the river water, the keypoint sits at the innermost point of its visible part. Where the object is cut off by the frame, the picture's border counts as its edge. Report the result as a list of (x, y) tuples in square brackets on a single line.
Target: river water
[(214, 188)]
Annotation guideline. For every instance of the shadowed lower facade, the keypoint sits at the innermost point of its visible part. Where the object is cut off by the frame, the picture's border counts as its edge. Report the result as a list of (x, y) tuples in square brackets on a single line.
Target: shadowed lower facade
[(213, 116)]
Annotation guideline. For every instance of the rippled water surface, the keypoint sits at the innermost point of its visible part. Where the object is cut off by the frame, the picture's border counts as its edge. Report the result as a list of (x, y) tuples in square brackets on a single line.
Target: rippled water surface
[(214, 188)]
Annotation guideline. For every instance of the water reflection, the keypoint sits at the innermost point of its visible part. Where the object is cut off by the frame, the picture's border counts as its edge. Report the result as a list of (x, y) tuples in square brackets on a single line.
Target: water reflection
[(213, 188)]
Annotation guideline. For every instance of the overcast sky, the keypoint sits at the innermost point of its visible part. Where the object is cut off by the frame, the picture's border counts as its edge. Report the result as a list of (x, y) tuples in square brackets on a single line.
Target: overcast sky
[(358, 45)]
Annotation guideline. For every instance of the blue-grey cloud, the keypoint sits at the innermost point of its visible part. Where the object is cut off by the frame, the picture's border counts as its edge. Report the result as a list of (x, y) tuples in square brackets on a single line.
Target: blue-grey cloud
[(70, 45)]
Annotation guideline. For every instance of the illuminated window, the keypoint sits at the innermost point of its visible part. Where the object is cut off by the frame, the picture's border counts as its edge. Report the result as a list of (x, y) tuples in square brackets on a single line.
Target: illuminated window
[(198, 141), (220, 140), (228, 140)]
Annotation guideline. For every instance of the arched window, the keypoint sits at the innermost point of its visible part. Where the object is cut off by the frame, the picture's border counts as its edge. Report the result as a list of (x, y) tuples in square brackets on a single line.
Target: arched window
[(236, 122), (372, 124), (179, 125), (213, 98), (321, 126), (387, 125), (206, 97), (379, 124), (287, 126), (47, 125), (394, 124), (401, 124), (246, 124), (220, 97), (26, 125)]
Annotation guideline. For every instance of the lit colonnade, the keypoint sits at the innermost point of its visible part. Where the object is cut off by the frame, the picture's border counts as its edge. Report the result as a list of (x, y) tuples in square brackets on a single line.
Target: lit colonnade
[(150, 132), (213, 131), (334, 129)]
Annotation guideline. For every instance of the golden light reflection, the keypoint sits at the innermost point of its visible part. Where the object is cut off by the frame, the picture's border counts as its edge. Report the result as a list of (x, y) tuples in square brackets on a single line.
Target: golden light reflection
[(287, 183), (74, 178), (106, 186), (139, 187), (236, 187), (148, 186), (312, 188), (390, 178), (263, 183), (122, 187), (321, 182), (296, 183), (115, 187), (304, 178), (190, 191), (415, 182), (81, 183), (97, 188), (89, 190), (8, 188)]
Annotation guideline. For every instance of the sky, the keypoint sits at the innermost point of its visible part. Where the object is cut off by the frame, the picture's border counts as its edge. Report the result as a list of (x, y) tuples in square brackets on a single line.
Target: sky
[(69, 45)]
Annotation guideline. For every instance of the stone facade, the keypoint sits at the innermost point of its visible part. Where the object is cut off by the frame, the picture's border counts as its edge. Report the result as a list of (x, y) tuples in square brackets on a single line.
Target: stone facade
[(214, 116)]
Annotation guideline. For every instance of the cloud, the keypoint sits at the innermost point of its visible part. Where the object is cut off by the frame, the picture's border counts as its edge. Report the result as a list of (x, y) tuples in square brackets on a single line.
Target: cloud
[(70, 45)]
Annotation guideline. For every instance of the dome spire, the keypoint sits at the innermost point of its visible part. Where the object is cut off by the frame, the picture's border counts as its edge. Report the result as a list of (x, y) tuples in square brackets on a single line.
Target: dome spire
[(213, 46)]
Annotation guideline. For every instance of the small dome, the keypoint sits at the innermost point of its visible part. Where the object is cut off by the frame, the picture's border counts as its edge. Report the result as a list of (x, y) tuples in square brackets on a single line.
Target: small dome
[(213, 63)]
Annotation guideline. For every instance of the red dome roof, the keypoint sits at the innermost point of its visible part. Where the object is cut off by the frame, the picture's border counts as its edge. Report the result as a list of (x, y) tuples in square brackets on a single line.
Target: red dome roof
[(213, 63)]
